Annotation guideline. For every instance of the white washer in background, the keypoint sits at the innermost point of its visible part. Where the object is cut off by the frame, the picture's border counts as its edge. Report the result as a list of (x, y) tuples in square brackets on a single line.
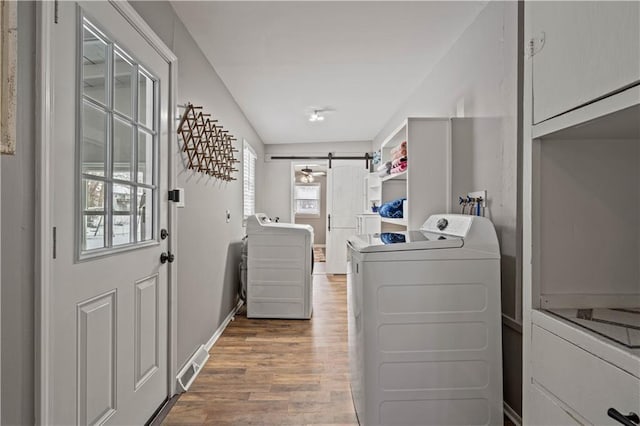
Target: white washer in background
[(279, 269), (425, 324)]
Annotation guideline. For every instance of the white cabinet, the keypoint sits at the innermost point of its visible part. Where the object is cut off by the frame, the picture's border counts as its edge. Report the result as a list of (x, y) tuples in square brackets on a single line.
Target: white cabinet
[(368, 223), (426, 184), (581, 227), (583, 50), (585, 384)]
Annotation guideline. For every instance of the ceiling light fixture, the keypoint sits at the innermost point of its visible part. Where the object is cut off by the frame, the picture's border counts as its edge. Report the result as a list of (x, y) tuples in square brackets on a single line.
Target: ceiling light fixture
[(306, 178), (316, 116)]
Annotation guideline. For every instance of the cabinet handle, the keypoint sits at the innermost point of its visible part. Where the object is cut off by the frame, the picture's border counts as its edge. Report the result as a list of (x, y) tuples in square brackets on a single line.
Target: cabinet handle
[(329, 223), (630, 419)]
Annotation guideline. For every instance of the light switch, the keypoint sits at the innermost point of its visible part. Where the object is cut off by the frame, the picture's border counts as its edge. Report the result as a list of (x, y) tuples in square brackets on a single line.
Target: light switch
[(180, 203)]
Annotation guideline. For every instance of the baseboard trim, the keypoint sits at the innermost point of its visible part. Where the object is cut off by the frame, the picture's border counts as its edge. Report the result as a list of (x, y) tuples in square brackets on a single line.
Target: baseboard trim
[(212, 341), (191, 369), (512, 415)]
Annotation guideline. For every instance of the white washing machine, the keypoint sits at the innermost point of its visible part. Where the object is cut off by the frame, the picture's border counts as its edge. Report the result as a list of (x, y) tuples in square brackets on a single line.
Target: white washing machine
[(279, 269), (425, 324)]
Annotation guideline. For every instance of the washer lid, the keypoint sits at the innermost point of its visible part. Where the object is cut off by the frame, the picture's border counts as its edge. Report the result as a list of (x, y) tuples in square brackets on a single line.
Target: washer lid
[(408, 240)]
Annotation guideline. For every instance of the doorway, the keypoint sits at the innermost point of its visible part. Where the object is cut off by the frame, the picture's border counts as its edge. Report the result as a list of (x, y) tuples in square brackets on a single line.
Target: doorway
[(309, 202)]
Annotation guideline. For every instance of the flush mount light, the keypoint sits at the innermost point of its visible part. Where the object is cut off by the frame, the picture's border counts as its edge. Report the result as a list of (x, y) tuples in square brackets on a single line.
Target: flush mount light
[(315, 116)]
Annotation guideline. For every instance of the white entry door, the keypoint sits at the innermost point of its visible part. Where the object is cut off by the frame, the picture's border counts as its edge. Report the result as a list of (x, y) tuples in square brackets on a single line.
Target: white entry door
[(344, 202), (109, 308)]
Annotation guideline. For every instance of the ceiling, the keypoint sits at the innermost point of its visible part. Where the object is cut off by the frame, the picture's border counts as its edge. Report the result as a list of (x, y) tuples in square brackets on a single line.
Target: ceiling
[(282, 59)]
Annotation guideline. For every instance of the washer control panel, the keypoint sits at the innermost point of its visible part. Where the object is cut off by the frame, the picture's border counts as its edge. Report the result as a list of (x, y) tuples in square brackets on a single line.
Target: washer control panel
[(449, 224)]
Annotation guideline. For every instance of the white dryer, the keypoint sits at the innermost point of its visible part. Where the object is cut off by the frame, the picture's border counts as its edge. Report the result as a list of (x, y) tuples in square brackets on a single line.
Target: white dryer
[(425, 324), (279, 269)]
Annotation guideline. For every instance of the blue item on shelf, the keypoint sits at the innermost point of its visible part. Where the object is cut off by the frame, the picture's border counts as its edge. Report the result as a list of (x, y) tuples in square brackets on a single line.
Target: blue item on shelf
[(392, 209), (392, 238)]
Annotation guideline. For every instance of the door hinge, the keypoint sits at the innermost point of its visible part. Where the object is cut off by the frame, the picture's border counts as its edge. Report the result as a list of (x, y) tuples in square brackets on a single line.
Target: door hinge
[(55, 240), (174, 195)]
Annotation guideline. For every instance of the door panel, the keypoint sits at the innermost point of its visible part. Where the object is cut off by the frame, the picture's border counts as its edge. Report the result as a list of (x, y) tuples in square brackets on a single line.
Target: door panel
[(109, 308), (344, 202)]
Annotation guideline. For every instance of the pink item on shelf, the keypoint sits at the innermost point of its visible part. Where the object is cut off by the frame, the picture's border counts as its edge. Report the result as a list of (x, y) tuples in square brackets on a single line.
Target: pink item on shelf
[(399, 154), (399, 168), (401, 146), (398, 161)]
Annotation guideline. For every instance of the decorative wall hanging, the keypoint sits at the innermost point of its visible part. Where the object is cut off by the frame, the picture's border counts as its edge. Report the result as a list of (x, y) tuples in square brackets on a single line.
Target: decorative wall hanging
[(208, 147)]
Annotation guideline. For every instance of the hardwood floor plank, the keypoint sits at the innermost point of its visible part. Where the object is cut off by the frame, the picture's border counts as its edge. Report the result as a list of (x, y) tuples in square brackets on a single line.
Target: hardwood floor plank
[(277, 372)]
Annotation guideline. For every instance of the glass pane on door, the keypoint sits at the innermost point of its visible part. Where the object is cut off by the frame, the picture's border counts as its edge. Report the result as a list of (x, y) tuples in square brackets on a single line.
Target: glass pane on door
[(122, 150), (123, 85), (94, 65), (145, 214), (146, 101), (93, 223), (121, 215), (145, 157), (94, 131)]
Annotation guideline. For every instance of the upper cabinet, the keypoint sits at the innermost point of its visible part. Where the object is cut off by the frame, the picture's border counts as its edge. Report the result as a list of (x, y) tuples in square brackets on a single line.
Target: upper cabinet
[(582, 51)]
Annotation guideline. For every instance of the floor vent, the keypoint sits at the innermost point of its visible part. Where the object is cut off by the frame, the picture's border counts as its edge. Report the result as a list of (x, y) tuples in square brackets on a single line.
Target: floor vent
[(190, 371)]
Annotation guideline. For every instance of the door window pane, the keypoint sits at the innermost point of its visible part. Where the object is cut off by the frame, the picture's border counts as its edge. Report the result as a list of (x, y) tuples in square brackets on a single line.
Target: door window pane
[(93, 195), (123, 85), (145, 214), (145, 100), (122, 150), (94, 130), (94, 65), (122, 214), (145, 157), (92, 231), (93, 224)]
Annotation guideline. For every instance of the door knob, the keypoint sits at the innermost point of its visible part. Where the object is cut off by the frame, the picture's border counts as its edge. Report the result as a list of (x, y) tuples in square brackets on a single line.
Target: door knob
[(167, 257)]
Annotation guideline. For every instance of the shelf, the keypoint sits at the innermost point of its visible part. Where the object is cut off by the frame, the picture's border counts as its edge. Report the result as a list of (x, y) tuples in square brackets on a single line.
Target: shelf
[(401, 222), (611, 117), (398, 176)]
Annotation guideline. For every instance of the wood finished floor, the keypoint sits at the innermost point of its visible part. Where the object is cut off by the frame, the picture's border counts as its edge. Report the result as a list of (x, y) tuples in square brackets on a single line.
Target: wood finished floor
[(277, 372)]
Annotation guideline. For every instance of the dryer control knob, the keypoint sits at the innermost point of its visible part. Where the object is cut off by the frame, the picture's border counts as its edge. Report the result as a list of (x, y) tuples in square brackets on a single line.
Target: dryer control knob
[(442, 224)]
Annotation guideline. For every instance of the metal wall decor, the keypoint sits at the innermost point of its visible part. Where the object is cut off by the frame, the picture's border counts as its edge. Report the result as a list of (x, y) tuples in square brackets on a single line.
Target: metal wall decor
[(208, 147)]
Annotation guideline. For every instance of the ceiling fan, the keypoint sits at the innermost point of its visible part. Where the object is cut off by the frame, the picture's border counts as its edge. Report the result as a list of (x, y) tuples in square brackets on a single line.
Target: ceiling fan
[(318, 113), (309, 172)]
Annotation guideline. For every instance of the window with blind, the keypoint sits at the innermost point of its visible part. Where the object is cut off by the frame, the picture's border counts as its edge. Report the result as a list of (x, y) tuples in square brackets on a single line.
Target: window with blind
[(249, 180), (307, 200)]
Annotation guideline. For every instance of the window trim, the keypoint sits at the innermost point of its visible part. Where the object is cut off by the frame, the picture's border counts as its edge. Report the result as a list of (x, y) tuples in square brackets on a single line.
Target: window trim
[(247, 149)]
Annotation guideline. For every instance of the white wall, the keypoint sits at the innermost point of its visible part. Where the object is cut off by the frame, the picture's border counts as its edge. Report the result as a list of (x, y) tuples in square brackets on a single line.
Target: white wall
[(208, 248), (478, 79), (277, 173)]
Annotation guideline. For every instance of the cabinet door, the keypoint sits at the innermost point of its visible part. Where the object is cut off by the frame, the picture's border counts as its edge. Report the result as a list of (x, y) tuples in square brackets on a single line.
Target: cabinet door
[(591, 49)]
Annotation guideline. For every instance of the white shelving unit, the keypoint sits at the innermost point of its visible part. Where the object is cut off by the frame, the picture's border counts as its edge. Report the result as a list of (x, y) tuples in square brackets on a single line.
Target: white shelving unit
[(372, 191), (581, 226), (427, 181)]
